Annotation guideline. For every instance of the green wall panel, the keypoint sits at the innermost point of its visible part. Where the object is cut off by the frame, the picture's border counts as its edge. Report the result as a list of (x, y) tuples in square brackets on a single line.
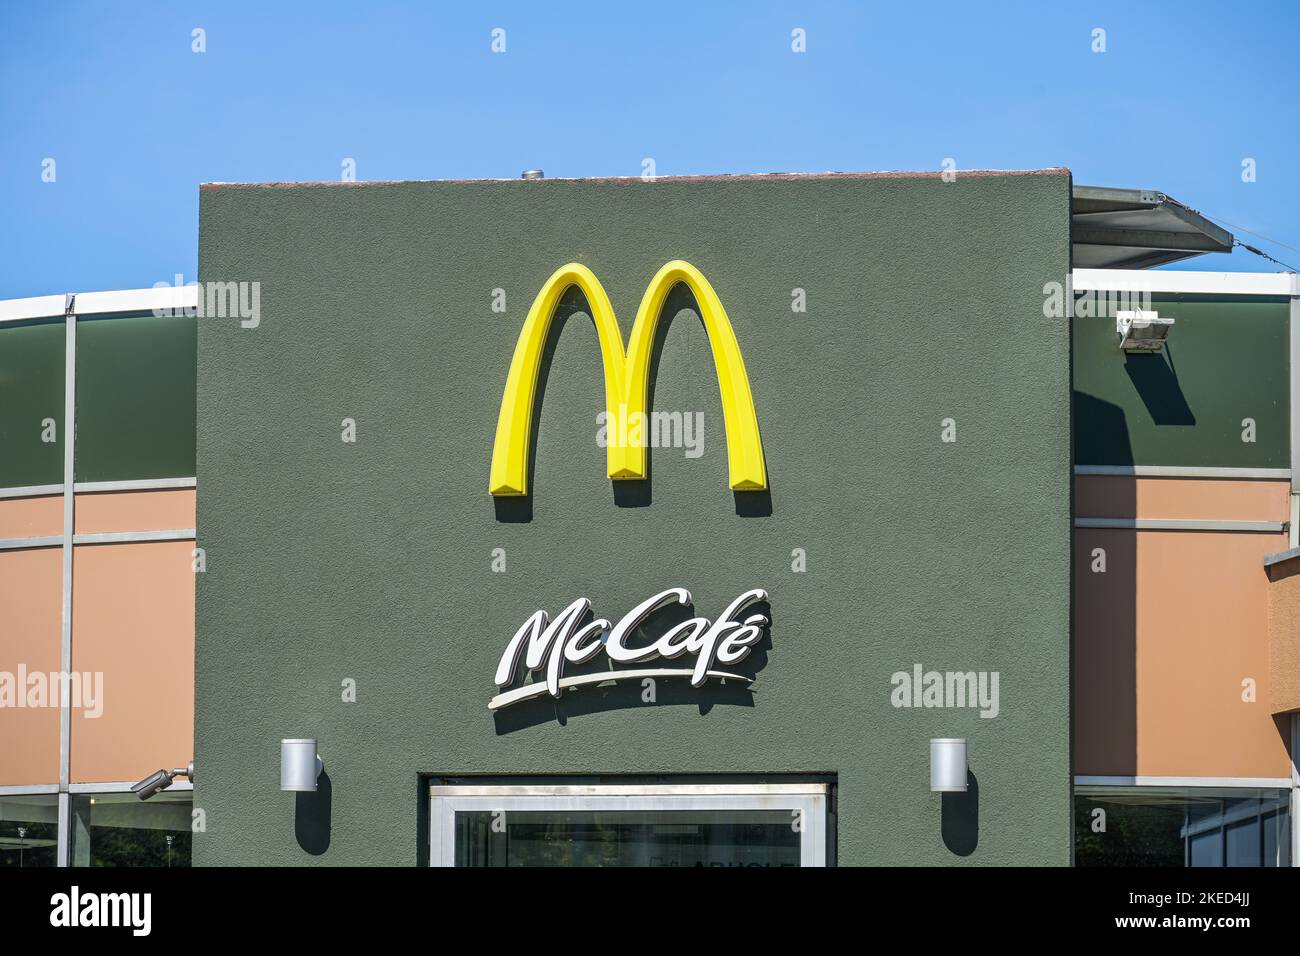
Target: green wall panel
[(371, 561), (1225, 361), (31, 391), (135, 398)]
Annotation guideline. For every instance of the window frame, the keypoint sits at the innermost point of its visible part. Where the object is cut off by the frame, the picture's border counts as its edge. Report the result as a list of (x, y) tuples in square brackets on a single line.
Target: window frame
[(812, 799)]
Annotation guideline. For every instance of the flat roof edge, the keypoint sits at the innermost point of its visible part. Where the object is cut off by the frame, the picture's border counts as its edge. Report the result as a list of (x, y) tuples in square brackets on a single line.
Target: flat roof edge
[(720, 177)]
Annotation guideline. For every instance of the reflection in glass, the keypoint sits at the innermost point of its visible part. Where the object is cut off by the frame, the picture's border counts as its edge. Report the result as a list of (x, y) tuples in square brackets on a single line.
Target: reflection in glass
[(120, 829), (627, 838), (29, 830), (1130, 826)]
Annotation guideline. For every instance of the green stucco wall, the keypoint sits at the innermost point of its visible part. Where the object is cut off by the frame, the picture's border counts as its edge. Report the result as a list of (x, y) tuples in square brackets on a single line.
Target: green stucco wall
[(372, 561), (1225, 361)]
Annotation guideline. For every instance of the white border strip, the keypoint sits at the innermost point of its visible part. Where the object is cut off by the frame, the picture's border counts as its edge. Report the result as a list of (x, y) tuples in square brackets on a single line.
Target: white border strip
[(1294, 539), (130, 537), (69, 528), (1295, 396), (32, 790), (1295, 789), (1183, 471), (95, 487), (626, 789), (98, 537), (141, 484), (41, 541), (31, 491), (101, 303), (1181, 524), (124, 787), (1257, 783), (63, 851), (1195, 283), (37, 307)]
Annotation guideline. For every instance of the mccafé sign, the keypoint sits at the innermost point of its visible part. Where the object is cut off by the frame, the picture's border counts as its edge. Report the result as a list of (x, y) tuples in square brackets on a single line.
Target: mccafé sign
[(546, 646), (627, 377)]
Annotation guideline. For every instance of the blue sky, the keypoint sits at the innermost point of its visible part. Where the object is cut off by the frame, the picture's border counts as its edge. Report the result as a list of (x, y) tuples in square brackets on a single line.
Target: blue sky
[(135, 120)]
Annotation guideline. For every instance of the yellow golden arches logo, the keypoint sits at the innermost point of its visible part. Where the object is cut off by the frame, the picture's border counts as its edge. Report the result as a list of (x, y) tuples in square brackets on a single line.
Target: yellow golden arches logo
[(627, 377)]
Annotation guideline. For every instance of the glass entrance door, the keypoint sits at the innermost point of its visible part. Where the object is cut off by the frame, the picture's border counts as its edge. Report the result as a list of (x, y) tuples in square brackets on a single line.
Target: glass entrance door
[(633, 825)]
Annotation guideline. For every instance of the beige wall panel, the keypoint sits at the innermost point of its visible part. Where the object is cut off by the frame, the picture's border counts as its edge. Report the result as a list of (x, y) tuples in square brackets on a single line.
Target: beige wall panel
[(168, 510), (1202, 626), (31, 517), (1217, 499), (1284, 634), (133, 621), (31, 601)]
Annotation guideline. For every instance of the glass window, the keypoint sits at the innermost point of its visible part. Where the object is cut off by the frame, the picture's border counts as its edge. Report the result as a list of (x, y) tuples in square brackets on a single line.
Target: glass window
[(1205, 849), (630, 825), (1276, 845), (1159, 826), (136, 380), (1242, 843), (29, 830), (120, 829), (627, 838), (31, 403)]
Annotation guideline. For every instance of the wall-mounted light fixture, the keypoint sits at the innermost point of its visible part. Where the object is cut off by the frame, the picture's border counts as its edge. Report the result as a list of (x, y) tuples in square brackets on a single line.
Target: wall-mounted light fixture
[(948, 765), (1142, 331), (300, 765)]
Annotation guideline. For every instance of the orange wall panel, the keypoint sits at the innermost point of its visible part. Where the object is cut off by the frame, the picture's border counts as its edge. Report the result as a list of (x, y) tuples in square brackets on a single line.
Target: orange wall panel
[(1202, 628), (31, 517), (133, 621), (1206, 499), (1163, 641), (167, 510), (31, 601)]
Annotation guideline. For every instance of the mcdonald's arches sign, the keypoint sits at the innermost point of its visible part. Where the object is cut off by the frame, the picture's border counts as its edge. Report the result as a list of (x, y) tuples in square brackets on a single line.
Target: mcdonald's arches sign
[(627, 377)]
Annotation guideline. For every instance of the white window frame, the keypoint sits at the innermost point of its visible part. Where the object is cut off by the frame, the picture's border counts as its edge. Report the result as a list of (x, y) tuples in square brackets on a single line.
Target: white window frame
[(811, 800), (1087, 786)]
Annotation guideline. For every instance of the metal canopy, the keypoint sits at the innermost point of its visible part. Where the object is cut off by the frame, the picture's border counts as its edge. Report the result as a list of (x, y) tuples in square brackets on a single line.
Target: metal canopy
[(1138, 229)]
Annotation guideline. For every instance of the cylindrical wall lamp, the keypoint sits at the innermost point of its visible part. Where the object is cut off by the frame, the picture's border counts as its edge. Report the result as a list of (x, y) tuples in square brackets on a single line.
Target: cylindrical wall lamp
[(948, 765), (300, 765)]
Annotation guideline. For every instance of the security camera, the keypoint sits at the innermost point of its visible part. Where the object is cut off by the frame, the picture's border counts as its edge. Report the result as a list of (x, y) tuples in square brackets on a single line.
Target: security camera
[(157, 782), (152, 784)]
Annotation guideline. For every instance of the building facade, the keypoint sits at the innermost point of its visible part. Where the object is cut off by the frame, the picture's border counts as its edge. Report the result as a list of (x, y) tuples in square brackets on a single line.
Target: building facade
[(96, 576), (674, 524), (1184, 627)]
